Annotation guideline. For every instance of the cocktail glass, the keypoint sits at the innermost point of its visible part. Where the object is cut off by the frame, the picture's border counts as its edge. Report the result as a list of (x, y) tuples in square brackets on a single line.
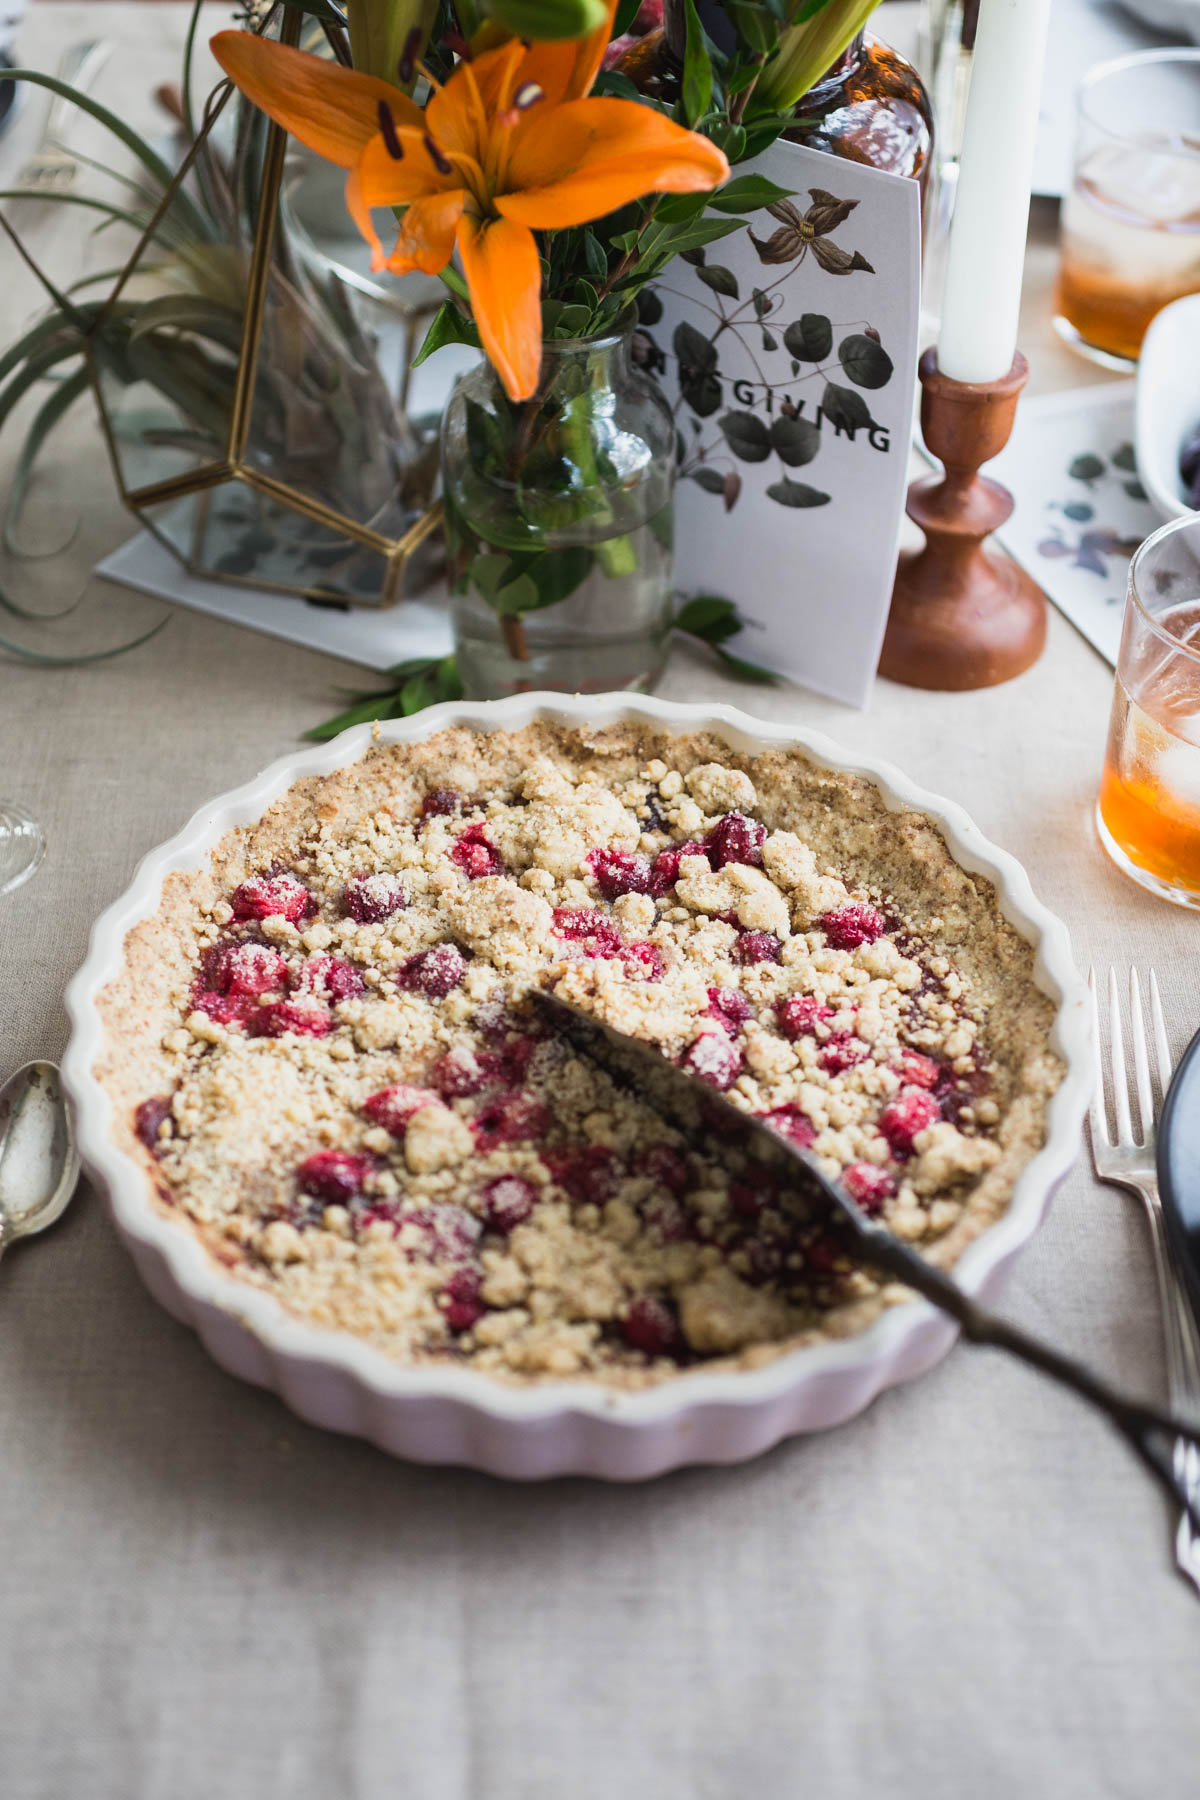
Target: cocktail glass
[(22, 845), (1131, 221), (1148, 814)]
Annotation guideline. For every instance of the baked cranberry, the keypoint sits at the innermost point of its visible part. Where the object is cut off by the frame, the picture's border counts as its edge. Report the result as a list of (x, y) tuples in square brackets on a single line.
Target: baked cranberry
[(790, 1122), (439, 1233), (149, 1119), (304, 1017), (474, 854), (434, 972), (462, 1072), (338, 1177), (665, 1165), (728, 1008), (463, 1295), (800, 1014), (250, 969), (650, 1325), (746, 1201), (869, 1185), (507, 1202), (842, 1054), (508, 1119), (370, 899), (393, 1107), (849, 926), (583, 925), (713, 1059), (666, 1218), (590, 1173), (332, 977), (226, 1009), (665, 872), (904, 1118), (736, 839), (273, 896), (765, 1257), (822, 1255), (618, 872), (644, 960), (920, 1071), (757, 947), (439, 802)]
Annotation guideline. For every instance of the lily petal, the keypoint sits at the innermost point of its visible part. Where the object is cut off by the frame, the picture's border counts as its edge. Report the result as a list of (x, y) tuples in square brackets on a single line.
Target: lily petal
[(566, 68), (378, 179), (589, 157), (504, 275), (335, 111), (427, 232)]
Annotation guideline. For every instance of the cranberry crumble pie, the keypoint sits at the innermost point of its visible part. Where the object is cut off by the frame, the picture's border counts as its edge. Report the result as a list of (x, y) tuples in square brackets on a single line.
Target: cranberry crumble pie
[(322, 1050)]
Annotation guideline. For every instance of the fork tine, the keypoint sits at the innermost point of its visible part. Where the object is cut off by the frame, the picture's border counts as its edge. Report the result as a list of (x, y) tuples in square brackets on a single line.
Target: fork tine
[(1097, 1116), (1120, 1083), (1161, 1047), (1141, 1065)]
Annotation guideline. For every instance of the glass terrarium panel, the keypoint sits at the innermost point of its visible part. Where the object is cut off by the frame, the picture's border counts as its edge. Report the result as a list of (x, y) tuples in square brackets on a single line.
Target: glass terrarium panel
[(234, 533)]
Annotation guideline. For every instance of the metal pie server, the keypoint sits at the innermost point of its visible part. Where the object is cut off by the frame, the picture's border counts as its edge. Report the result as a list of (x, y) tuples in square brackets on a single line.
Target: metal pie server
[(706, 1117)]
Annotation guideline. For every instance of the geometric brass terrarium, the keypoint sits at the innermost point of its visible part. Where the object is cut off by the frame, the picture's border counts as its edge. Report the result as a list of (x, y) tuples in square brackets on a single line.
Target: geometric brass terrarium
[(241, 389)]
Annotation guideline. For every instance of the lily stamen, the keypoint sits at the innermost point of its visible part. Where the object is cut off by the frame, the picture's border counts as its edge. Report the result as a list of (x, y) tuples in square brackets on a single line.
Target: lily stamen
[(527, 95), (441, 163), (408, 58), (389, 134)]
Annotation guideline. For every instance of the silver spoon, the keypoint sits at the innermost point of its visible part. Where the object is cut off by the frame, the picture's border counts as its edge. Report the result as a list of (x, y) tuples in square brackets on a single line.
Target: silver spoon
[(39, 1164)]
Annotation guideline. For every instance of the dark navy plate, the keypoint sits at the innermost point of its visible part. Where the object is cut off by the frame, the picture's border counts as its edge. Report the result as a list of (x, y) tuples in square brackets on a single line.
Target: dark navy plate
[(1179, 1165)]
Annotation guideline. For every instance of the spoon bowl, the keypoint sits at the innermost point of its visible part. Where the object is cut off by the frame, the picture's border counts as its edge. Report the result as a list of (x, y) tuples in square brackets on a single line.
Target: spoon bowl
[(39, 1164)]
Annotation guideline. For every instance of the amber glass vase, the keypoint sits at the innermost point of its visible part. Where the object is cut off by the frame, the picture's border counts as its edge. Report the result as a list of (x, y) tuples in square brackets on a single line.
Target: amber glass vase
[(870, 107)]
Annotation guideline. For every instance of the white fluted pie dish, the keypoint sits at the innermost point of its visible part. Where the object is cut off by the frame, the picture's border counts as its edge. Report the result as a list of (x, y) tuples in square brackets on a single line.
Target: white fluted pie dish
[(459, 1415)]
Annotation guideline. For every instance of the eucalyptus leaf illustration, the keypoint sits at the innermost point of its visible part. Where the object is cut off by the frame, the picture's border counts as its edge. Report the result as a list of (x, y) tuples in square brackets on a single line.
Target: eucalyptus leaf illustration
[(1123, 458), (649, 307), (809, 338), (844, 408), (865, 361), (1086, 468), (795, 441), (697, 358), (796, 493), (711, 480), (762, 303), (720, 279), (747, 436)]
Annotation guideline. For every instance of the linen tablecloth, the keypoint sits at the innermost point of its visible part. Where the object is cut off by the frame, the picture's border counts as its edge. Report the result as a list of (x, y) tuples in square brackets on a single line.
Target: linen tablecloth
[(966, 1592)]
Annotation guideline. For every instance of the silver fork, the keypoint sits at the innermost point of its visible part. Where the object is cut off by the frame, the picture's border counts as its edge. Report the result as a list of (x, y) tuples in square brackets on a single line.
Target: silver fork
[(1128, 1162), (51, 167)]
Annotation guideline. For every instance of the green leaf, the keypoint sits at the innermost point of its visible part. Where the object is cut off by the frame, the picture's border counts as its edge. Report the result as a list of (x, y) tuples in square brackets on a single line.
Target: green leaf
[(616, 85), (795, 441), (448, 326), (720, 280), (747, 436), (701, 613), (697, 69), (626, 13), (747, 194), (677, 209), (809, 338), (865, 362), (709, 479), (61, 400), (747, 671), (844, 408), (796, 493)]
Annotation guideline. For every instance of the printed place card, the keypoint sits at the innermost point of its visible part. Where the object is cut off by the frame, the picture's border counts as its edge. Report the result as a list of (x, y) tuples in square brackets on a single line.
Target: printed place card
[(788, 351)]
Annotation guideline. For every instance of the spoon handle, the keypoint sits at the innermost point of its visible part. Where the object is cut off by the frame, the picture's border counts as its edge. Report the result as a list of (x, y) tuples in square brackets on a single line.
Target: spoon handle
[(1150, 1433)]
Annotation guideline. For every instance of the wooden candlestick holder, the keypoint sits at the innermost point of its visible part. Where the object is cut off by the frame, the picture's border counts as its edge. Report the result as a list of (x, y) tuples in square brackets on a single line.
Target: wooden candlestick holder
[(961, 616)]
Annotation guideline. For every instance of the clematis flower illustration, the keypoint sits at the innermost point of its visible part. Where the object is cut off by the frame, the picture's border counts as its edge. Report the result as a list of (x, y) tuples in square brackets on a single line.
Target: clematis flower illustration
[(801, 232), (508, 146)]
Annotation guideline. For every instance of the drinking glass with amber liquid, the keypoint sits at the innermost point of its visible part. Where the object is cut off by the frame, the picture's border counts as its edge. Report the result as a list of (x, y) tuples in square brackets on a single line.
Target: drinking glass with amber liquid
[(1149, 810), (1131, 221)]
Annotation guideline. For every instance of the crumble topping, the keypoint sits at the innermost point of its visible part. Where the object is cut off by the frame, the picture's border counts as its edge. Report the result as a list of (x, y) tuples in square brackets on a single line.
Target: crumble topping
[(322, 1049)]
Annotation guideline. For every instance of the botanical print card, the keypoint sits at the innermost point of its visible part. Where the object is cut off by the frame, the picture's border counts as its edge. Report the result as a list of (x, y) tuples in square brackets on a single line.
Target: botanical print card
[(1080, 510), (788, 350)]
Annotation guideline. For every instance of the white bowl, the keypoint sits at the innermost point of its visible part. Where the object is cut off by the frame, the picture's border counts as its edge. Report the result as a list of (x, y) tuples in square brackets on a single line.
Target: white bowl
[(456, 1415), (1168, 403)]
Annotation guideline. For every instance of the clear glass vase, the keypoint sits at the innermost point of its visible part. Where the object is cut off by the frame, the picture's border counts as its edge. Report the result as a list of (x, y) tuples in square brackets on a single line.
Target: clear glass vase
[(559, 524)]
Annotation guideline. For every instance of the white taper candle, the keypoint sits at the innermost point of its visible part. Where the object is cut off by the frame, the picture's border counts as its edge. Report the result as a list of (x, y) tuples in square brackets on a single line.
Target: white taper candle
[(986, 258)]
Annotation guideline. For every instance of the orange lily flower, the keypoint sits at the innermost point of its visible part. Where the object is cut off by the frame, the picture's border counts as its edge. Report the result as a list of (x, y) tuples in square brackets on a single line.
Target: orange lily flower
[(509, 146)]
